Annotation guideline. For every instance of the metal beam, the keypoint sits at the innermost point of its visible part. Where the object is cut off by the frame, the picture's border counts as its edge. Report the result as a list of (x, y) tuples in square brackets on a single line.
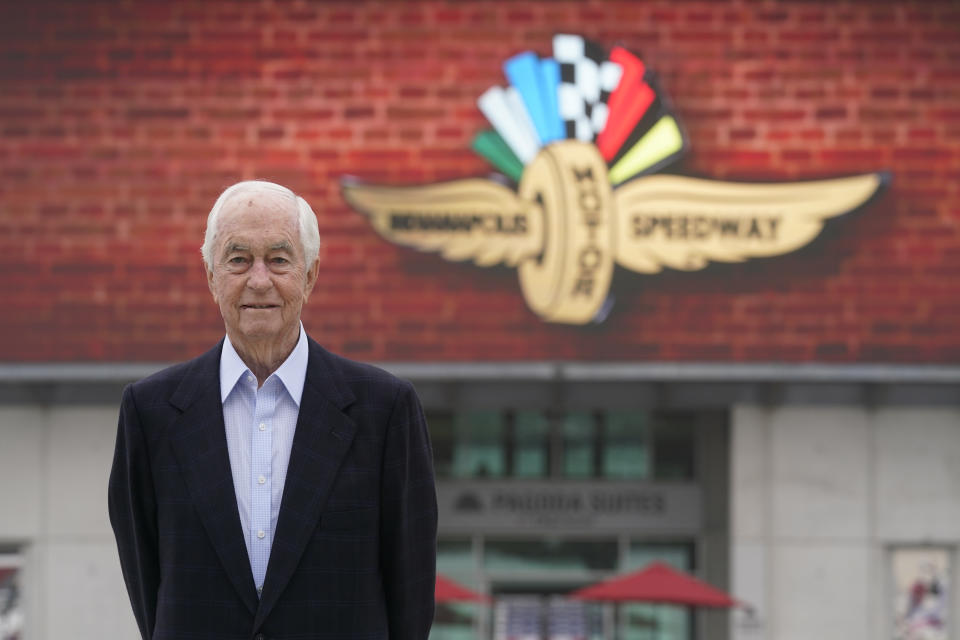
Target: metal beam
[(543, 371)]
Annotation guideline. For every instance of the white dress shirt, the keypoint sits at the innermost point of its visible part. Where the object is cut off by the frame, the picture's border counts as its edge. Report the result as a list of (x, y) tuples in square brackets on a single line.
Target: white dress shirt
[(260, 424)]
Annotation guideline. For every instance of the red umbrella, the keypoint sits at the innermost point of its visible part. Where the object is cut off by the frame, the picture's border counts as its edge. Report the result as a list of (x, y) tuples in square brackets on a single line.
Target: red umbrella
[(657, 582), (449, 591)]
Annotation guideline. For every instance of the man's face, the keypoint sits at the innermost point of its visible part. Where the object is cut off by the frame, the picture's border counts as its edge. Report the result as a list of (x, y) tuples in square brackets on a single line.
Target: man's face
[(258, 275)]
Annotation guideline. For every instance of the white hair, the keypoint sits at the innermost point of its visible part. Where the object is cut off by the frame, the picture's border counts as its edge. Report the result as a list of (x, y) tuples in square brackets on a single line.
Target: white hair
[(306, 219)]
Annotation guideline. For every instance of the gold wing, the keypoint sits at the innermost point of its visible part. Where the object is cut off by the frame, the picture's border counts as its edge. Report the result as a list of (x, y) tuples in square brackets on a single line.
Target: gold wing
[(467, 219), (684, 223)]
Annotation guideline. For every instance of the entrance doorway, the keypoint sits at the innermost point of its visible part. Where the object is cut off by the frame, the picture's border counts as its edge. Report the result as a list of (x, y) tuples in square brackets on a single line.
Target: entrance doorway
[(536, 503)]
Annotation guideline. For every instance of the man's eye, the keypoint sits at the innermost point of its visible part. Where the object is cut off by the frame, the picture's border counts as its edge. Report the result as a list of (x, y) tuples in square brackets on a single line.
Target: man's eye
[(237, 260), (279, 260)]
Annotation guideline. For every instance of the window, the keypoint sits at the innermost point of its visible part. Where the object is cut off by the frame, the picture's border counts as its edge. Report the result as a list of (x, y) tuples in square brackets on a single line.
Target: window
[(441, 438), (455, 557), (453, 620), (478, 450), (627, 445), (582, 445), (530, 450), (677, 555), (673, 447), (549, 555), (579, 444), (658, 622)]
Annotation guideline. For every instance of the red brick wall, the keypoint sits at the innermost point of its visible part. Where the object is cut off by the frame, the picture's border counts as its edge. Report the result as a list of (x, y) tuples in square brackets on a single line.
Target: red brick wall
[(121, 121)]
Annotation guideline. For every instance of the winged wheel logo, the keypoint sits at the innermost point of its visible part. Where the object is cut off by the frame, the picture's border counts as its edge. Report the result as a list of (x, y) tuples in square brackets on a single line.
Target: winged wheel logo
[(584, 136)]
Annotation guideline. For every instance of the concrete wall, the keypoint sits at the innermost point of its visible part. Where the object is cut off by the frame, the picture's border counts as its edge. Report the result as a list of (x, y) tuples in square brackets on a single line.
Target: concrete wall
[(819, 497), (56, 462)]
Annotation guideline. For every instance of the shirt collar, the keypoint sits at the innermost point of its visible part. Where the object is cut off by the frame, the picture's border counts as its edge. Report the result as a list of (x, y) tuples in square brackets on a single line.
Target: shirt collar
[(292, 373)]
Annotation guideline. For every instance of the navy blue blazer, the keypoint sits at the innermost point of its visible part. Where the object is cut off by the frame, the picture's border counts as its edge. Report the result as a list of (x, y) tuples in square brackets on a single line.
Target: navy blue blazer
[(354, 553)]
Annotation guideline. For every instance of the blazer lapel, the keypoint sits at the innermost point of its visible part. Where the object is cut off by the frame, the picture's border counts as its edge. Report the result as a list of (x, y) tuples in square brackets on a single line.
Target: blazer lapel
[(320, 442), (199, 442)]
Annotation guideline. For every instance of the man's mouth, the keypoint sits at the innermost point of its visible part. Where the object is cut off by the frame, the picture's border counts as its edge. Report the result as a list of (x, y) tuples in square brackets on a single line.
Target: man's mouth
[(259, 306)]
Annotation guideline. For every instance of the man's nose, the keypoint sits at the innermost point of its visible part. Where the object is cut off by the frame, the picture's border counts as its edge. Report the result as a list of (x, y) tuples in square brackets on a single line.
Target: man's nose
[(259, 276)]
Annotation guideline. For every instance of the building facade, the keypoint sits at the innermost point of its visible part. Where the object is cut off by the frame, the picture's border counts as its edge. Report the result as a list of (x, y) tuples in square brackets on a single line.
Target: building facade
[(785, 427)]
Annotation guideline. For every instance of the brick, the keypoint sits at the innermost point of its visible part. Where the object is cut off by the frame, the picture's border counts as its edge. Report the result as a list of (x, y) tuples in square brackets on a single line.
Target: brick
[(742, 134), (853, 157), (359, 112), (774, 115), (797, 155), (831, 113)]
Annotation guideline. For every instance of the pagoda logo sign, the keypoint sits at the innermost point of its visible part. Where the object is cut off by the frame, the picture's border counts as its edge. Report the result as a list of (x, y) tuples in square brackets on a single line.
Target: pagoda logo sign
[(583, 136)]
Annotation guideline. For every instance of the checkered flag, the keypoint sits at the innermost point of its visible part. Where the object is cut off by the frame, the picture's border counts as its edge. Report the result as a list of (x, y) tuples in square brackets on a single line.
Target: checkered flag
[(581, 94), (587, 78)]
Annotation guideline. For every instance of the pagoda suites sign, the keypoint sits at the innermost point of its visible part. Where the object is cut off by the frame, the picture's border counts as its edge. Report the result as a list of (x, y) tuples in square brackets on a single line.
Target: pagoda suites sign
[(494, 506), (584, 134)]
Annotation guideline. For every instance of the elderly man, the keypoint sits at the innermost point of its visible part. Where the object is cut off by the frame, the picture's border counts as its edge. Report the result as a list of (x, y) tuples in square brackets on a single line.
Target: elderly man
[(269, 488)]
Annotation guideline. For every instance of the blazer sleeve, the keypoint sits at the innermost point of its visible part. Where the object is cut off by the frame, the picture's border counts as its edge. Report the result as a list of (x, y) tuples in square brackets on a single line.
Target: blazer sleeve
[(133, 515), (408, 529)]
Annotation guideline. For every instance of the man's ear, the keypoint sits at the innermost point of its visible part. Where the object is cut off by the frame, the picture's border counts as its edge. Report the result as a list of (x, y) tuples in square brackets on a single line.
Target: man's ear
[(312, 274), (209, 272)]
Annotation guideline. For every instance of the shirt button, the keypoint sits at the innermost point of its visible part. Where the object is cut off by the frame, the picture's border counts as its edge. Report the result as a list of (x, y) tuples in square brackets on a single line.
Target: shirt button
[(263, 426), (261, 480), (249, 378), (261, 534)]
